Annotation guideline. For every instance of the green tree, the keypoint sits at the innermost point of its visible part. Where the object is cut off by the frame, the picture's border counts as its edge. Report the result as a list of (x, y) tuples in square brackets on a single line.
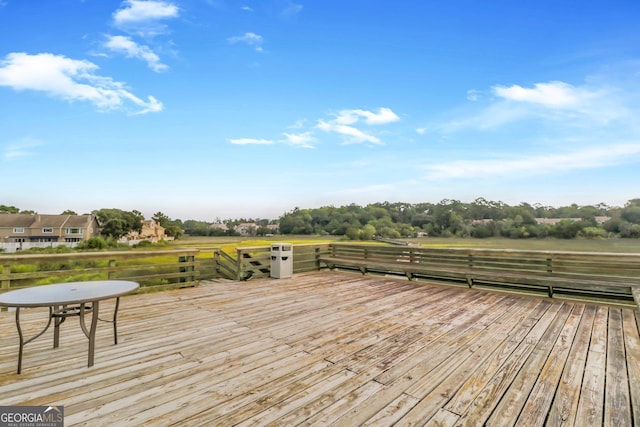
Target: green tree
[(368, 232), (173, 231), (593, 232), (631, 213), (161, 219), (8, 209), (353, 233), (567, 229), (117, 223)]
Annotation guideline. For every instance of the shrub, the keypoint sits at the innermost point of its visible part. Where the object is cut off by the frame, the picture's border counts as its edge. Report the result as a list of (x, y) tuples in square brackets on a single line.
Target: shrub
[(593, 232), (93, 243)]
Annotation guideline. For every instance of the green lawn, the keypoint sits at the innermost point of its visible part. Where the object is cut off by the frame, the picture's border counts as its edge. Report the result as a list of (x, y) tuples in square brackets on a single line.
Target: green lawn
[(578, 244), (549, 244)]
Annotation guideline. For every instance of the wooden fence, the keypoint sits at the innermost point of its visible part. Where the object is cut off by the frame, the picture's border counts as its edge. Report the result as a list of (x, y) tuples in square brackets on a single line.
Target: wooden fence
[(255, 261), (584, 276), (152, 269)]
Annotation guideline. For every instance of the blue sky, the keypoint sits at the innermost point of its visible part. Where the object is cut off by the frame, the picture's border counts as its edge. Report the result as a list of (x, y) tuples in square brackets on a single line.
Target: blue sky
[(207, 109)]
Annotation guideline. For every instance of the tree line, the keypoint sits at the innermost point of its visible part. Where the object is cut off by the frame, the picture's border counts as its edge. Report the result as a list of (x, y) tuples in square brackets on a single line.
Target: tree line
[(481, 218), (448, 218)]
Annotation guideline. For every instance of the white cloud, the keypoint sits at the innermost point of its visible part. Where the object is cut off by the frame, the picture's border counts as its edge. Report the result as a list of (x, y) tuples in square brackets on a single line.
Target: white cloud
[(137, 11), (250, 39), (383, 116), (250, 141), (143, 17), (246, 8), (554, 103), (126, 46), (552, 95), (593, 157), (304, 140), (352, 135), (69, 79), (343, 121), (22, 148)]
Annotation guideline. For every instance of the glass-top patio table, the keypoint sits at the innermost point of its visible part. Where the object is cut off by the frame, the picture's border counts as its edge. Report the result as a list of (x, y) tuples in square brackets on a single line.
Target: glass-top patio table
[(68, 299)]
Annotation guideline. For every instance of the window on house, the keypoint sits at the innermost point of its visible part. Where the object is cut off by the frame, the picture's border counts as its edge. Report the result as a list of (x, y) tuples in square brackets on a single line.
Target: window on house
[(18, 230), (73, 231), (47, 230)]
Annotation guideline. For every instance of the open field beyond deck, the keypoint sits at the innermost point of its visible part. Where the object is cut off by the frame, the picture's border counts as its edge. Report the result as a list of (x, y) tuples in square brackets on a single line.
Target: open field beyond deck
[(329, 347)]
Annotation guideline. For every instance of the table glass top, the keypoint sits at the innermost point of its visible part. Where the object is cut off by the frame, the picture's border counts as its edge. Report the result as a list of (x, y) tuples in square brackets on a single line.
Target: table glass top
[(66, 293)]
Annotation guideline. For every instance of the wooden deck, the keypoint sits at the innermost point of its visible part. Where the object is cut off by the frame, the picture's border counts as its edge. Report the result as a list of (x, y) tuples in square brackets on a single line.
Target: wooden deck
[(336, 348)]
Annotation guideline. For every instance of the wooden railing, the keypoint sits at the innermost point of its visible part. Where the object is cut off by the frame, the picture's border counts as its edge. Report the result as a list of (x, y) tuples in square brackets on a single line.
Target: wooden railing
[(152, 269), (585, 276), (255, 261)]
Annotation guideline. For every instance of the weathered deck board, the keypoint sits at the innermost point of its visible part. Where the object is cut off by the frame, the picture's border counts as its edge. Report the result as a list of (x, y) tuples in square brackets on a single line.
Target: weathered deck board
[(334, 348)]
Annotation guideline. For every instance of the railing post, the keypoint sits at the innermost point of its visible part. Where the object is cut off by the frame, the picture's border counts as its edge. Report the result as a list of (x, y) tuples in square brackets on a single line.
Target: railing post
[(187, 269), (239, 255), (216, 264), (6, 283), (112, 264), (316, 255)]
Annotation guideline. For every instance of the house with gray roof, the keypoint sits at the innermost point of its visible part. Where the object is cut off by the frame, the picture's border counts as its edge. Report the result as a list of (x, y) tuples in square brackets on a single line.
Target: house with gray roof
[(23, 231)]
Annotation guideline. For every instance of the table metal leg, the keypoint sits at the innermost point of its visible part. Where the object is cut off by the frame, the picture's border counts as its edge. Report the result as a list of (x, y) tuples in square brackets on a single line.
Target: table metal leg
[(91, 333), (21, 339), (114, 321), (24, 342), (56, 328)]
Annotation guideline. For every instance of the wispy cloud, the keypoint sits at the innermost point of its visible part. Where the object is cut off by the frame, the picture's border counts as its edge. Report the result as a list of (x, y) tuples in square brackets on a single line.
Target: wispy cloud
[(71, 80), (291, 9), (250, 141), (246, 8), (22, 148), (298, 124), (351, 134), (344, 121), (555, 102), (589, 158), (250, 39), (303, 140), (342, 124), (144, 16), (126, 46)]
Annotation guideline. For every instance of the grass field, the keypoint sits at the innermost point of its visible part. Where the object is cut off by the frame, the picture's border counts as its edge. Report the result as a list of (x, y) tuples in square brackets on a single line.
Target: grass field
[(228, 244)]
